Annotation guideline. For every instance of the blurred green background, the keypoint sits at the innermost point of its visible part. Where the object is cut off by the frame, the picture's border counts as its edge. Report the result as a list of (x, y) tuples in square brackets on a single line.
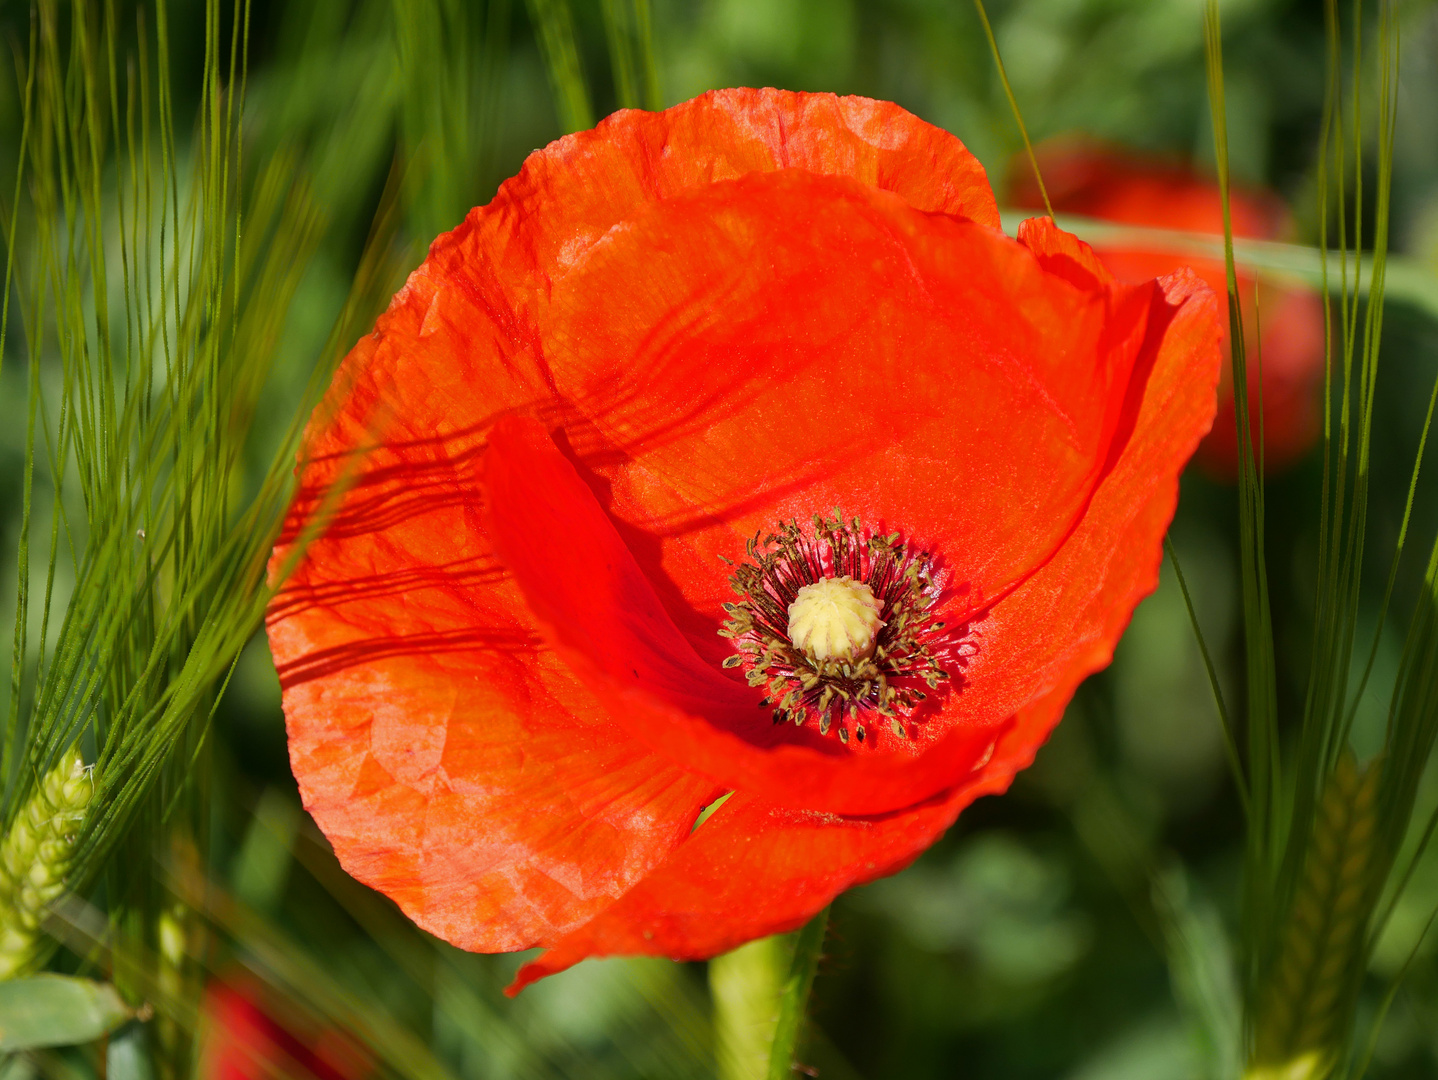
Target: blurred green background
[(1029, 942)]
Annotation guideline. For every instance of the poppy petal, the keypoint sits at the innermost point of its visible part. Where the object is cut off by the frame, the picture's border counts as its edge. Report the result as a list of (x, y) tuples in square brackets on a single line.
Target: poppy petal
[(397, 637), (754, 869), (750, 870), (1064, 254), (784, 344), (598, 610), (452, 761), (590, 181), (676, 701), (1110, 562)]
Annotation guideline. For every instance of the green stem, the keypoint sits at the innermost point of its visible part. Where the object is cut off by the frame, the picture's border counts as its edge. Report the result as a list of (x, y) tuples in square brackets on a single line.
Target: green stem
[(1406, 280), (794, 995)]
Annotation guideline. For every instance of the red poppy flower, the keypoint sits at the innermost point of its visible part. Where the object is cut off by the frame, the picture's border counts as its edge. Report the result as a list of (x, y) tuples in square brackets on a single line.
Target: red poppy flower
[(240, 1039), (1285, 320), (590, 457)]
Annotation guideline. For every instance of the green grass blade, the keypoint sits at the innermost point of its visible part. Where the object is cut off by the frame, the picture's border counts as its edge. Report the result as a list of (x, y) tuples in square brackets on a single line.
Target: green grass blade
[(1013, 102), (618, 34), (1230, 734), (1263, 848), (554, 27)]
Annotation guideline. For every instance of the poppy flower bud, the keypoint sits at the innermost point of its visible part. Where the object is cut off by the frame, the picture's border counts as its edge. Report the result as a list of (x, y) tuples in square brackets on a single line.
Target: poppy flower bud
[(835, 619), (244, 1035)]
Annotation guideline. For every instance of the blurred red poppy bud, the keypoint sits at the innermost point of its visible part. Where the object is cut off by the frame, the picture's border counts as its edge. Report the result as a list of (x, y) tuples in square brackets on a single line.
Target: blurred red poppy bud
[(1283, 322), (240, 1039)]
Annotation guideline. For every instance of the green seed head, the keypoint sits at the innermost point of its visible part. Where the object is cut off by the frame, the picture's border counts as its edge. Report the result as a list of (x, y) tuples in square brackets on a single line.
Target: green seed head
[(35, 858)]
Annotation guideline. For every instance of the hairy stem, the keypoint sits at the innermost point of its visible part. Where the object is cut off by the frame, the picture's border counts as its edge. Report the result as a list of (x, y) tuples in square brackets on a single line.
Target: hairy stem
[(794, 995)]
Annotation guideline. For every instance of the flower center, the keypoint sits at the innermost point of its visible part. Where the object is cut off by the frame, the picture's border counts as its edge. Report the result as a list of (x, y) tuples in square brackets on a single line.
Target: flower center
[(835, 619), (836, 625)]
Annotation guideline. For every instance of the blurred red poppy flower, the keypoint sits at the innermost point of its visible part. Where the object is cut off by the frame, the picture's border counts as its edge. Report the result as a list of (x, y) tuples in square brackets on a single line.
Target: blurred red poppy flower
[(586, 575), (240, 1039), (1112, 184)]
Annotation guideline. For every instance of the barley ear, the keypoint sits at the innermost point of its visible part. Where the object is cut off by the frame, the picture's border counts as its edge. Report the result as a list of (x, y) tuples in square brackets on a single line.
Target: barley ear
[(1303, 1009), (35, 856)]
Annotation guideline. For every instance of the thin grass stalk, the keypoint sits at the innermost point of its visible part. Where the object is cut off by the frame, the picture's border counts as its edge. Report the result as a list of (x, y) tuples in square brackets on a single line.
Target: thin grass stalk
[(1344, 835), (794, 995), (1230, 735), (433, 53), (1264, 771), (1367, 374), (1013, 103), (9, 761), (271, 953), (1383, 606), (629, 34), (170, 581), (648, 61), (1331, 135), (554, 27), (1371, 1046), (490, 86), (1373, 326), (618, 35)]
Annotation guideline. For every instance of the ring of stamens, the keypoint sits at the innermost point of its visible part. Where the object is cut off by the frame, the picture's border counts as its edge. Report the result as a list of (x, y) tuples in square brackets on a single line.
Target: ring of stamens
[(838, 692)]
